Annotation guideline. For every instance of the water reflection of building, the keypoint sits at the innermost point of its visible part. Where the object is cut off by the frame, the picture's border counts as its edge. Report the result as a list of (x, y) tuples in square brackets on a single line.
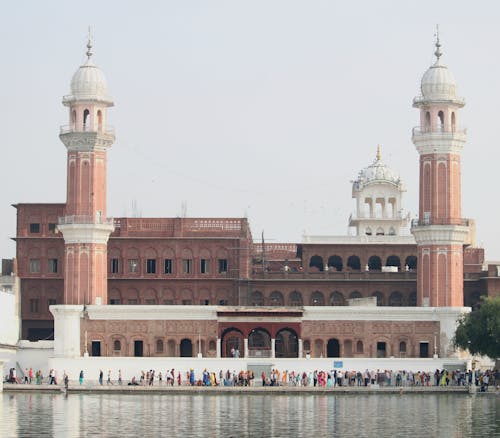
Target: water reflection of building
[(188, 286)]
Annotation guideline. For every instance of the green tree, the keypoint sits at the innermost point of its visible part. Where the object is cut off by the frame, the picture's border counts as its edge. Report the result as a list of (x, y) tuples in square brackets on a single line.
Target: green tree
[(479, 331)]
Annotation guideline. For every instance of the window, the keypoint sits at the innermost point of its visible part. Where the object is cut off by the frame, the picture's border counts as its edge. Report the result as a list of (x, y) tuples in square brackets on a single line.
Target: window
[(159, 346), (114, 268), (168, 267), (133, 266), (204, 266), (52, 266), (133, 301), (168, 302), (204, 302), (151, 266), (51, 302), (34, 307), (115, 301), (222, 266), (117, 345), (150, 302), (34, 228), (187, 266), (34, 266), (52, 228), (186, 302)]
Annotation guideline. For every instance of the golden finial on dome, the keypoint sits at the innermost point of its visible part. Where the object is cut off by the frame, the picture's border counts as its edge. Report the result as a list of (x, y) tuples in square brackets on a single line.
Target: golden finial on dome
[(379, 156)]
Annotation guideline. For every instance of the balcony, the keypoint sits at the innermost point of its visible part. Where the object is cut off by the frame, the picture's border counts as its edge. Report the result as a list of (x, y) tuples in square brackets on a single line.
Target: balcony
[(77, 219), (439, 132), (67, 129), (438, 221)]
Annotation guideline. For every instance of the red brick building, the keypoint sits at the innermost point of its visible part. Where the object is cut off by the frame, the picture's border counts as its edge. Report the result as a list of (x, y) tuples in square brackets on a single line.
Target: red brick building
[(185, 286)]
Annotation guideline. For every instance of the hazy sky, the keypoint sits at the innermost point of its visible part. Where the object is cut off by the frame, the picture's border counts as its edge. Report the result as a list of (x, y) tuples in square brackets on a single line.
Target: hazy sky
[(260, 108)]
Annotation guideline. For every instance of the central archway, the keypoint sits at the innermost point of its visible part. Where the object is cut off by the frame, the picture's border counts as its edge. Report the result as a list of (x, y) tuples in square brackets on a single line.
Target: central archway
[(259, 343), (186, 348)]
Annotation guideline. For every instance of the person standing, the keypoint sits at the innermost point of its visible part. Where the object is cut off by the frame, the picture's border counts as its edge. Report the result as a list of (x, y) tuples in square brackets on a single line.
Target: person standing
[(80, 378), (101, 375), (109, 382), (119, 377), (30, 375)]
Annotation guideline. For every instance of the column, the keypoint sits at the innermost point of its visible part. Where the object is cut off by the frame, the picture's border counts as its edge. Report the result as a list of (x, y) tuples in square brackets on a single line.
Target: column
[(273, 347), (219, 350), (301, 352), (67, 330), (245, 347)]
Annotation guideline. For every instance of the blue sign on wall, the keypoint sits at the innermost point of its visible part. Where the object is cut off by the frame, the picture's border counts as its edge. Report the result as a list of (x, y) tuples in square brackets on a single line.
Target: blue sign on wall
[(338, 364)]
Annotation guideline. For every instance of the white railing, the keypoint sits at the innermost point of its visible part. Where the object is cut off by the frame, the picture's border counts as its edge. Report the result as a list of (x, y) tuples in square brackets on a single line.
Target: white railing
[(66, 129), (78, 219), (443, 130)]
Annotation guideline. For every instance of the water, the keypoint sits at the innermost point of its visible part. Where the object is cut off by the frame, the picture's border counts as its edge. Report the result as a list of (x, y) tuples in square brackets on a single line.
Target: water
[(249, 415)]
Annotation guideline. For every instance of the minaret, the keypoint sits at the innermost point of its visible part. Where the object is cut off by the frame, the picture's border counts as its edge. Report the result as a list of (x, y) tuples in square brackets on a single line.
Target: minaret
[(85, 226), (440, 231)]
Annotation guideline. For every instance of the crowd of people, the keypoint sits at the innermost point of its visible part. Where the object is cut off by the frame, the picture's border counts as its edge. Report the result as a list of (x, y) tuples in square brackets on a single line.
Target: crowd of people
[(317, 378)]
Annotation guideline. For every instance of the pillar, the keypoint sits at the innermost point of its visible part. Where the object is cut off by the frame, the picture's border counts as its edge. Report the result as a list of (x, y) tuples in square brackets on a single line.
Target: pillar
[(301, 352), (273, 347), (67, 330), (245, 347), (219, 349)]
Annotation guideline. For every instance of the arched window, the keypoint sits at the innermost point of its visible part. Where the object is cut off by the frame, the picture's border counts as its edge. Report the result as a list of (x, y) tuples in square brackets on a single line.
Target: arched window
[(99, 120), (393, 260), (427, 121), (411, 262), (354, 263), (380, 231), (368, 231), (355, 295), (317, 299), (374, 263), (295, 299), (117, 345), (337, 299), (317, 262), (441, 121), (402, 347), (73, 119), (257, 299), (335, 262), (86, 120), (396, 299), (392, 231), (359, 347), (276, 299), (159, 346)]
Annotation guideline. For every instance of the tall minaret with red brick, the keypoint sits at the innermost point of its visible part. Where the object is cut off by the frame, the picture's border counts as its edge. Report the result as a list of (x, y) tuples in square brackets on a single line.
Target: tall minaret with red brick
[(440, 231), (85, 226)]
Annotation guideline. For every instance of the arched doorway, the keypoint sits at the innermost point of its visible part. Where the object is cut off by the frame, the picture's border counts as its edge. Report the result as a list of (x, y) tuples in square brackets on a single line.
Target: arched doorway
[(232, 343), (287, 343), (333, 348), (374, 263), (259, 343), (186, 348)]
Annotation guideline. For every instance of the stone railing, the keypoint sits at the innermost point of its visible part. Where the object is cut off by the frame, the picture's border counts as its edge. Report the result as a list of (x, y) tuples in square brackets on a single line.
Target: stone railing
[(66, 129)]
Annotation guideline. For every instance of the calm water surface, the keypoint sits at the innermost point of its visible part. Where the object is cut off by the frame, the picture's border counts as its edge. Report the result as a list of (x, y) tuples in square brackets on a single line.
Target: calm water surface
[(110, 415)]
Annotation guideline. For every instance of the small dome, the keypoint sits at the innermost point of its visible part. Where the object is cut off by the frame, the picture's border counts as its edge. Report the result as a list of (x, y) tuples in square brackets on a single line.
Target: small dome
[(89, 82), (377, 172)]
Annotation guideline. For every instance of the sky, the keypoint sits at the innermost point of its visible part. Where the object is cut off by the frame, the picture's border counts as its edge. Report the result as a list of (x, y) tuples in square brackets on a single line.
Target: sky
[(266, 109)]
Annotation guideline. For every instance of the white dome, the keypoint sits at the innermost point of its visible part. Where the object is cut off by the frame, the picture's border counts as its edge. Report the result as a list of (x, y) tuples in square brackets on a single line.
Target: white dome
[(438, 83), (377, 172), (89, 82)]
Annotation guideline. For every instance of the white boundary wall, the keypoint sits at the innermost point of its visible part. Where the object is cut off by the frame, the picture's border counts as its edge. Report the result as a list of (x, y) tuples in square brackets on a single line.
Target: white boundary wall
[(132, 366)]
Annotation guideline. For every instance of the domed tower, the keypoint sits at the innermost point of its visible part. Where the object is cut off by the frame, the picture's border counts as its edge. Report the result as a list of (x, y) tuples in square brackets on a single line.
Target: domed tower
[(378, 192), (85, 226), (440, 231)]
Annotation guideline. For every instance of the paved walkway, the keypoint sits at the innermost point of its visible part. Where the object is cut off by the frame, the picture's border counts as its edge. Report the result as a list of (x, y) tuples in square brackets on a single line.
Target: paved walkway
[(125, 389)]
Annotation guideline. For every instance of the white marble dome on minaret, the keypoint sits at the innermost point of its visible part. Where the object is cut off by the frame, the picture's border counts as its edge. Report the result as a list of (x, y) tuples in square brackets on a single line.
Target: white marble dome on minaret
[(438, 81), (378, 192), (89, 82)]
